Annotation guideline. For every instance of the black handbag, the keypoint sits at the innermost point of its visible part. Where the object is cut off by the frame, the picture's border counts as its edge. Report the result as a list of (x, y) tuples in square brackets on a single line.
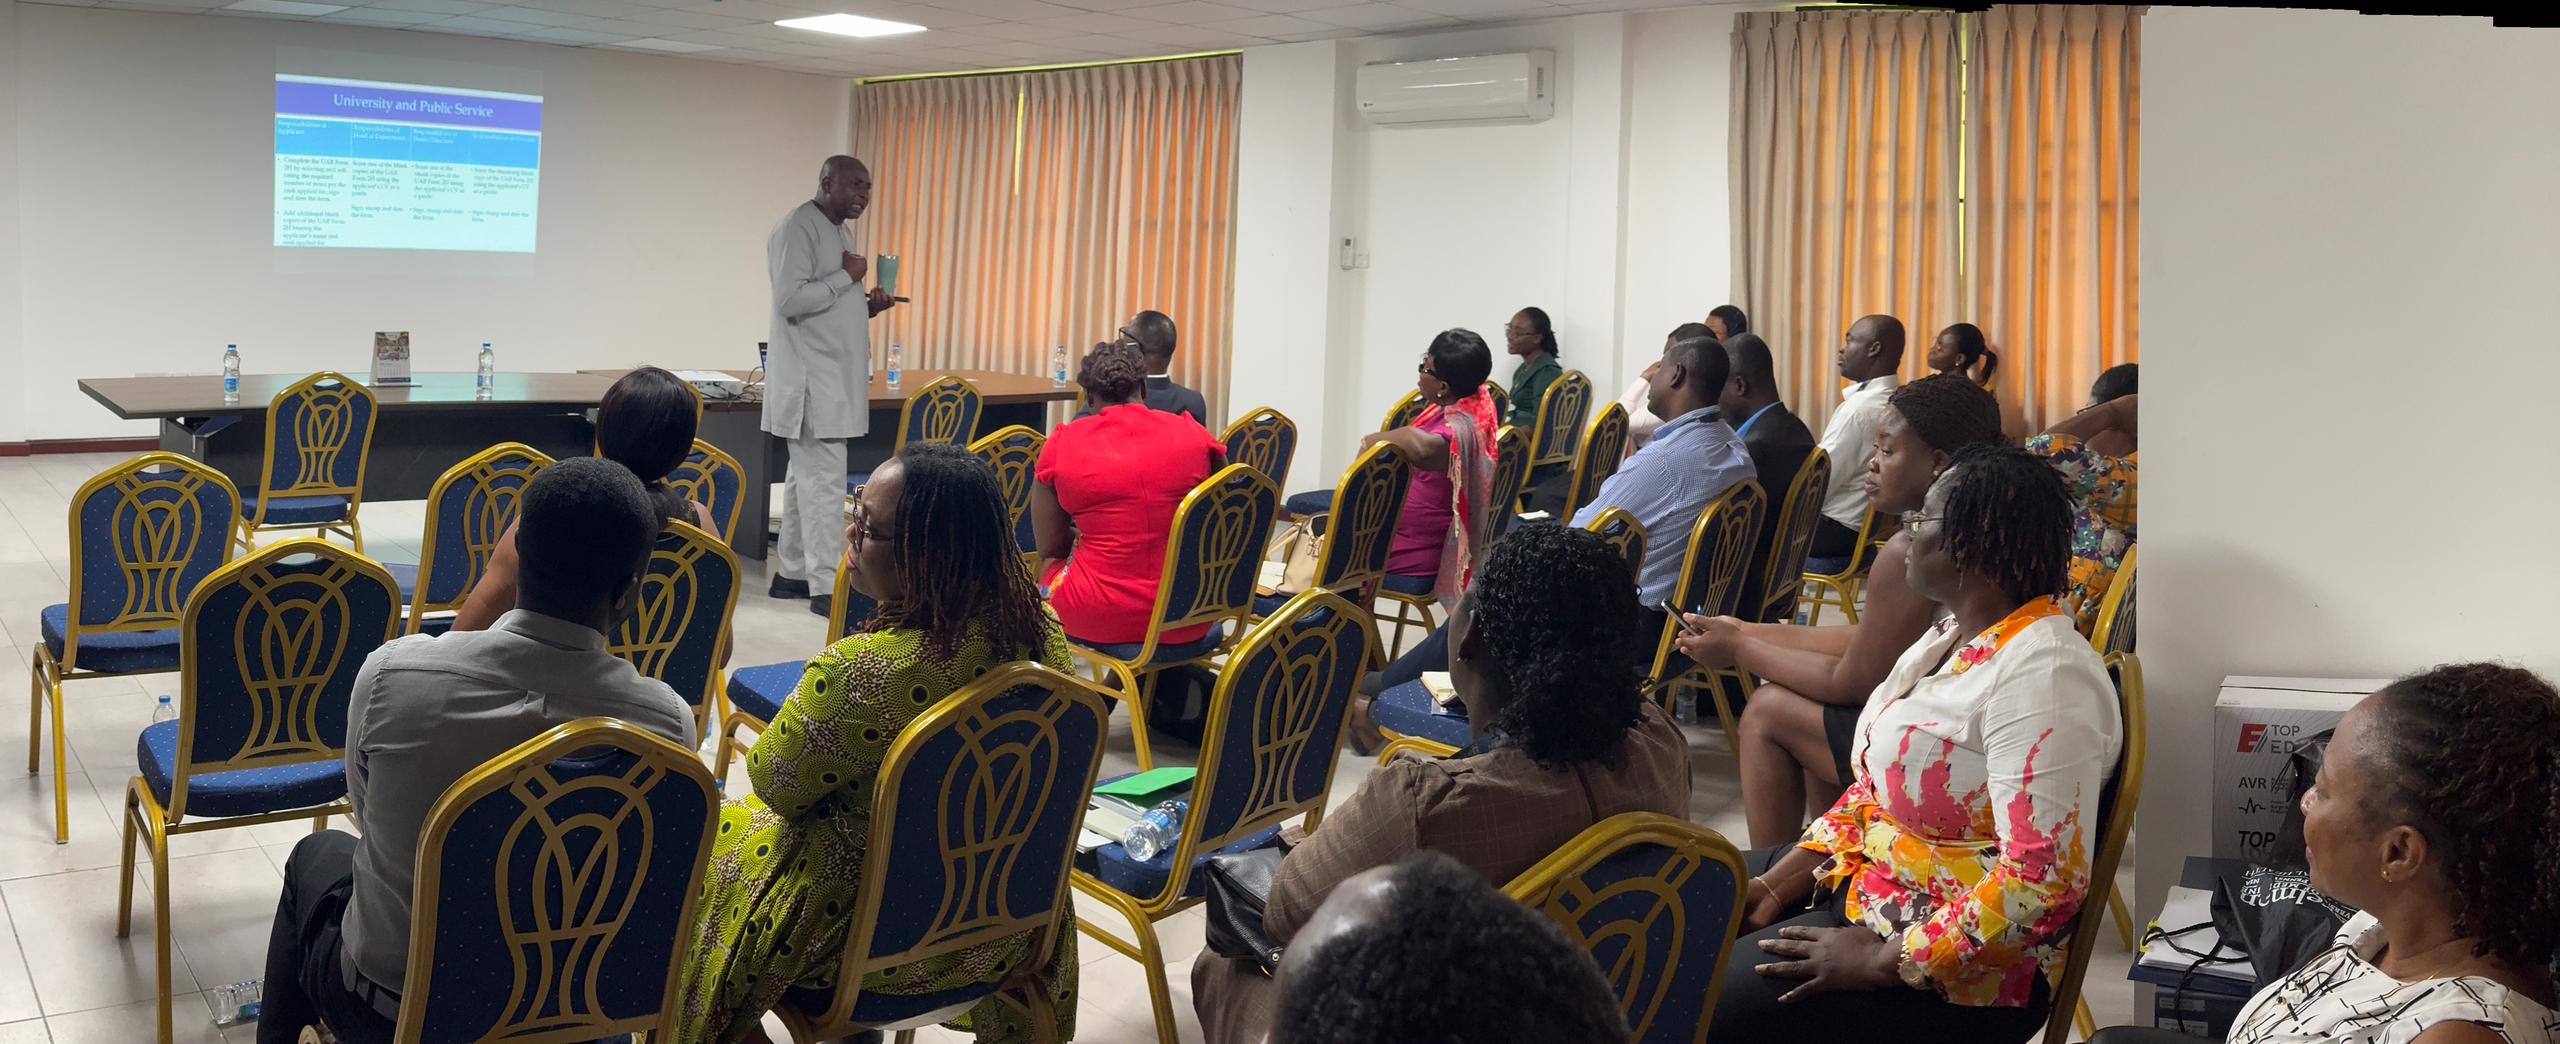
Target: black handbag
[(1239, 889)]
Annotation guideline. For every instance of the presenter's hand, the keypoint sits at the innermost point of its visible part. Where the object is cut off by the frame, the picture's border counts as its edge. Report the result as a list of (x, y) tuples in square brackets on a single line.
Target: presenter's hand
[(881, 301), (856, 265)]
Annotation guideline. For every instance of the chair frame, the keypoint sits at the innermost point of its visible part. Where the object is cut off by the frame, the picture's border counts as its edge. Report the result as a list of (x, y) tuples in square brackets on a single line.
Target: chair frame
[(1842, 589), (715, 683), (1142, 914), (1560, 416), (1136, 676), (351, 527), (46, 674), (925, 395), (143, 813), (1782, 577), (699, 487), (733, 719), (2115, 630), (500, 772), (1259, 434), (992, 443), (1596, 458), (1363, 585), (468, 471), (1414, 744), (2125, 787), (1710, 580), (873, 889), (1543, 886), (1629, 542), (1510, 482), (1501, 400), (1403, 412)]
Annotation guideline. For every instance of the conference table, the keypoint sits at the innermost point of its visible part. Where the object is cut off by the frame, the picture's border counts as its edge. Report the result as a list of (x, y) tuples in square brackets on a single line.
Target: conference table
[(433, 423)]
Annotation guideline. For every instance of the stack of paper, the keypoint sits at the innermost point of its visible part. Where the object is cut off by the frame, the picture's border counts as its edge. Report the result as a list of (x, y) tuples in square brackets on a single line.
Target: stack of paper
[(1120, 803)]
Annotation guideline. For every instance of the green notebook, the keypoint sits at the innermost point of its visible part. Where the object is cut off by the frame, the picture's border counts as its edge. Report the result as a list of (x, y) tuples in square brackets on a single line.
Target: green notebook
[(1147, 789)]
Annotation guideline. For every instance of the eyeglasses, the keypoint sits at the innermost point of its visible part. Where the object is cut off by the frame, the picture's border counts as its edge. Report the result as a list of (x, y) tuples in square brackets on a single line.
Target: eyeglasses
[(1911, 521), (858, 518)]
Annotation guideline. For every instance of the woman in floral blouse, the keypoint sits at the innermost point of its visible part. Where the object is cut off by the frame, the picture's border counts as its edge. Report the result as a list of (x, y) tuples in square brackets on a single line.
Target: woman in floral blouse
[(1942, 883), (2098, 455)]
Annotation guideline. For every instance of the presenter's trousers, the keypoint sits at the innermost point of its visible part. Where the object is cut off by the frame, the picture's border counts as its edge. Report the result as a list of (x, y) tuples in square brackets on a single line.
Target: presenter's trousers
[(813, 513)]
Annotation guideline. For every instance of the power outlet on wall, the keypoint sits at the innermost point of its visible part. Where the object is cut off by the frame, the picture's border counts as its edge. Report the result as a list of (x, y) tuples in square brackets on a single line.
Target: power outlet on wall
[(1351, 255)]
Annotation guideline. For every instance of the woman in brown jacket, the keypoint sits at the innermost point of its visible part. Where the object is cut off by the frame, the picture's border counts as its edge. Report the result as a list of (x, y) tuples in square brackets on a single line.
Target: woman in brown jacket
[(1564, 738)]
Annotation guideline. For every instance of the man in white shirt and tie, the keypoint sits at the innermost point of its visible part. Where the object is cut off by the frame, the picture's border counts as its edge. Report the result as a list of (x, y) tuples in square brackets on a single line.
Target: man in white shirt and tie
[(818, 377), (1871, 358)]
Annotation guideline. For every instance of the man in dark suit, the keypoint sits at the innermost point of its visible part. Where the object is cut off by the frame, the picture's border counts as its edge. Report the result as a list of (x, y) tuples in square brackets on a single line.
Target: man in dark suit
[(1777, 440)]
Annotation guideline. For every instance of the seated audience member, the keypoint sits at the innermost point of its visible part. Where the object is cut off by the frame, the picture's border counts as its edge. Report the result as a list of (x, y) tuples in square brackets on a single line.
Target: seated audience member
[(1564, 738), (1870, 358), (1440, 537), (1691, 461), (1105, 493), (645, 424), (1962, 351), (1726, 321), (1426, 949), (1946, 877), (2096, 451), (931, 544), (1530, 337), (1800, 723), (428, 709), (1775, 437), (1155, 337), (1637, 400)]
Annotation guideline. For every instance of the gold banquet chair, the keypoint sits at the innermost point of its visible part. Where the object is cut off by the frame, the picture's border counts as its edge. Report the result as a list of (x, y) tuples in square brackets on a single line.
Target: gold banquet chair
[(1839, 582), (1266, 757), (1501, 400), (1603, 448), (1510, 482), (1772, 597), (755, 694), (999, 867), (678, 632), (1013, 451), (1210, 569), (468, 512), (1404, 411), (1560, 415), (144, 534), (1655, 901), (272, 645), (943, 412), (319, 435), (1359, 531), (556, 891), (1624, 534), (2114, 633), (1710, 581), (1265, 440), (711, 477), (2116, 804)]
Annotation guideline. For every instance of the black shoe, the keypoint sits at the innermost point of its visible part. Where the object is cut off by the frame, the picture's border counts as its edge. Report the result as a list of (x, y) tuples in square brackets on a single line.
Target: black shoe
[(823, 605), (786, 587)]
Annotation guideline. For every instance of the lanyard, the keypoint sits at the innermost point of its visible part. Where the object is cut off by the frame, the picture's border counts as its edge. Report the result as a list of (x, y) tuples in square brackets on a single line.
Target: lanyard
[(1745, 429)]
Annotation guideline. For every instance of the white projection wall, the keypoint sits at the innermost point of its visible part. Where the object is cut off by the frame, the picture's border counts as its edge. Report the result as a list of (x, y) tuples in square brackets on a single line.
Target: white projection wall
[(361, 163)]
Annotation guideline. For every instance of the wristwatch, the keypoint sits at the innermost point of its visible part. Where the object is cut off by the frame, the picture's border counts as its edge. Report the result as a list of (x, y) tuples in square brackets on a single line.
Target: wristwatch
[(1911, 972)]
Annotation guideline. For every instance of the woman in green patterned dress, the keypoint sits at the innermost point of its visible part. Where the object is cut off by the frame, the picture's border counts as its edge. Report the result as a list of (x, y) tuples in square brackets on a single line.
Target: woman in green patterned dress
[(931, 542)]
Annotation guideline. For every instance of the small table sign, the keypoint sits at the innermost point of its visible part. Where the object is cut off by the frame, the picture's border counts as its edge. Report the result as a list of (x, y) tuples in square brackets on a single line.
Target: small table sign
[(390, 357)]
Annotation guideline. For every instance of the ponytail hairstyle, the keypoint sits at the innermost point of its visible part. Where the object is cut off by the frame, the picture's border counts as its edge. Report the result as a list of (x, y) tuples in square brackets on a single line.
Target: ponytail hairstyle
[(1546, 330), (646, 423), (1971, 344)]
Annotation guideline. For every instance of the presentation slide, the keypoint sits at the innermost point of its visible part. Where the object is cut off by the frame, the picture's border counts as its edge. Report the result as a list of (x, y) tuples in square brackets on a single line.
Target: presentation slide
[(405, 167)]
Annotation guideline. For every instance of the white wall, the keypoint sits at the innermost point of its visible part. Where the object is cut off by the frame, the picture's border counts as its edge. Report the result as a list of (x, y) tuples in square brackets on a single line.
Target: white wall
[(1284, 231), (12, 419), (144, 196), (2328, 492)]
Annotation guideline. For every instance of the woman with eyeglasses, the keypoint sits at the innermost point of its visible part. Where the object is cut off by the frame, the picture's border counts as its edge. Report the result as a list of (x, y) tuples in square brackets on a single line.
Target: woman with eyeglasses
[(1934, 896), (932, 544), (1104, 496)]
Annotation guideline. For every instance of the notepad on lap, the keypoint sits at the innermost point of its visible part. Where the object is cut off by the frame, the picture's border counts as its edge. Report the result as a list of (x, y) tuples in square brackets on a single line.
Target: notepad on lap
[(1443, 689)]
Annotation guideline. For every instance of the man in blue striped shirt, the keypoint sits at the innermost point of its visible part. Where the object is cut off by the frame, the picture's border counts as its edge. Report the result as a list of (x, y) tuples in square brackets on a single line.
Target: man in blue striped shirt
[(1693, 458)]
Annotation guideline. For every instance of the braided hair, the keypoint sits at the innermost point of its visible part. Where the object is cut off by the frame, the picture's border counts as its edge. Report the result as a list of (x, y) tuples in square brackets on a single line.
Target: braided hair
[(1114, 372), (1555, 607), (964, 574), (2008, 518), (2466, 756), (1973, 347), (1947, 411)]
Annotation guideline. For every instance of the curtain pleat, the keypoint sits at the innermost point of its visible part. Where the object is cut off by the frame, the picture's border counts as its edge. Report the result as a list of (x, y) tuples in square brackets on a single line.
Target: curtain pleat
[(1046, 208)]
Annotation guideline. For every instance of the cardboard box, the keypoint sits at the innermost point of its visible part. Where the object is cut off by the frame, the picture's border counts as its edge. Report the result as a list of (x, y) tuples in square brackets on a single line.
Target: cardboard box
[(2257, 724)]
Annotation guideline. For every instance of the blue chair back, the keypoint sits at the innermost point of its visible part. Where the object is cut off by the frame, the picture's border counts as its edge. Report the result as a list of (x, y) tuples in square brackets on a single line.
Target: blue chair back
[(1603, 448), (1403, 412), (144, 534), (1211, 563), (1013, 451), (555, 892), (1501, 401), (1560, 417), (681, 624), (1619, 527), (1361, 528), (1719, 552), (319, 430), (1275, 721), (1510, 478), (468, 511), (974, 822), (1655, 900), (269, 653), (1783, 577), (944, 412), (713, 478), (1267, 441)]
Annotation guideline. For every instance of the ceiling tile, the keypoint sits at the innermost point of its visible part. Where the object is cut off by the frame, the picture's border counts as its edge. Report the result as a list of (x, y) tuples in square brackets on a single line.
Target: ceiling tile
[(1012, 31), (1270, 26), (1285, 6), (534, 16), (579, 37), (587, 8), (1190, 12), (1477, 9), (1036, 51), (1109, 5), (936, 16), (720, 38), (629, 28), (751, 10), (443, 7), (1329, 34), (682, 19), (1097, 23), (661, 46), (1010, 10), (1190, 37), (471, 26), (1374, 16), (375, 16), (1118, 46)]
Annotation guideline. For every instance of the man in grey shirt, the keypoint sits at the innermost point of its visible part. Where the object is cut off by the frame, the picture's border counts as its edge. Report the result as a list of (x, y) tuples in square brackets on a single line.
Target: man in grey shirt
[(427, 710)]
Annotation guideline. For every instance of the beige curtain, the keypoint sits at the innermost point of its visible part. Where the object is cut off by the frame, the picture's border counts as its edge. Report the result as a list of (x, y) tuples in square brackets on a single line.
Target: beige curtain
[(1843, 151), (2052, 217), (1044, 209)]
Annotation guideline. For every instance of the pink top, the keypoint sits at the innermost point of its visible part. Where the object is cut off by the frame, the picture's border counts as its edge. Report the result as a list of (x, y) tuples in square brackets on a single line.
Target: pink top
[(1429, 509), (1121, 474)]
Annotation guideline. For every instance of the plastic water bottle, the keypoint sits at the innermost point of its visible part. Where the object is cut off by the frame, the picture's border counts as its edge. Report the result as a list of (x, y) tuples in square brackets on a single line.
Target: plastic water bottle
[(488, 370), (166, 711), (1058, 366), (230, 373), (764, 354), (1157, 831), (897, 362)]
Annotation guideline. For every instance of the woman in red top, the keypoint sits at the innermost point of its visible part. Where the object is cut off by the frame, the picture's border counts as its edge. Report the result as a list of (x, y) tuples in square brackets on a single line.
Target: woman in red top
[(1108, 486)]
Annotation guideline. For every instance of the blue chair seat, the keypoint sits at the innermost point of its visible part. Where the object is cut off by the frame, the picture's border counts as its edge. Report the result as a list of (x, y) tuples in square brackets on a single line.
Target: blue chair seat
[(297, 511), (246, 792), (1311, 502), (759, 691), (1165, 654), (406, 576), (1826, 566), (874, 1008), (114, 652), (1409, 710), (1414, 586), (1112, 865)]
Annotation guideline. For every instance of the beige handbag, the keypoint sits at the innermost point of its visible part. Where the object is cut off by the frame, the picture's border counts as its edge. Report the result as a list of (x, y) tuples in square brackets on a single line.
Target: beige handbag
[(1297, 554)]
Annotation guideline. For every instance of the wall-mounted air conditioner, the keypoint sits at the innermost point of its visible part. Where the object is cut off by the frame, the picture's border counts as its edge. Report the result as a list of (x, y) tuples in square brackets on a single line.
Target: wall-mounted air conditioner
[(1490, 88)]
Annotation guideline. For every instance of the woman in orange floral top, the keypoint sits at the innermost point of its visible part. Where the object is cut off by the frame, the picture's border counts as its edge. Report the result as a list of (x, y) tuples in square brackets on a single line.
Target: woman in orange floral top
[(1942, 882), (2098, 455)]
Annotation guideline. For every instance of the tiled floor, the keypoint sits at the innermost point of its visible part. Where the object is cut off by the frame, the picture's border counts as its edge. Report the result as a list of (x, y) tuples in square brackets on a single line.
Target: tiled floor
[(66, 978)]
